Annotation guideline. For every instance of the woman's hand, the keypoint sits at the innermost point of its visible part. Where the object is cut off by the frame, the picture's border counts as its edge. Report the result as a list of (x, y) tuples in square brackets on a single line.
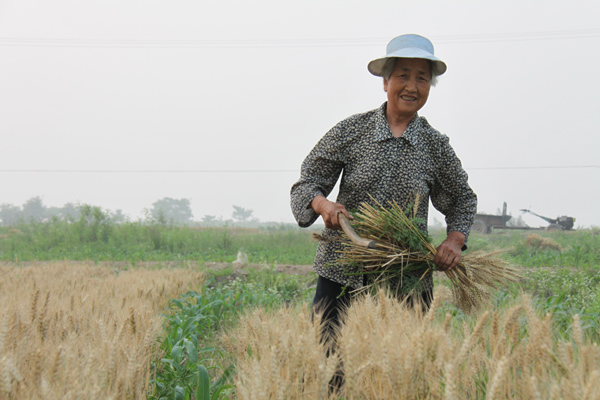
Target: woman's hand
[(329, 211), (450, 251)]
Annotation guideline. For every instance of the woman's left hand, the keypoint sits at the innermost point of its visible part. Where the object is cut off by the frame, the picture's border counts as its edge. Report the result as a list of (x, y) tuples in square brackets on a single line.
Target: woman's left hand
[(450, 251)]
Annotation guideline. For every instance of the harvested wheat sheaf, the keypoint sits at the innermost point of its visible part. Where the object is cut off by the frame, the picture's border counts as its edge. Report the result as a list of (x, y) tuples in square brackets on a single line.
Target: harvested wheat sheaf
[(402, 247), (388, 351), (542, 243), (78, 331)]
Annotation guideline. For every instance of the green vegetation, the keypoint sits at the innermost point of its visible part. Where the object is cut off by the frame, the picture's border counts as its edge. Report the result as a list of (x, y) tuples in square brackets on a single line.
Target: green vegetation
[(560, 272), (190, 345), (94, 236), (575, 249), (560, 291)]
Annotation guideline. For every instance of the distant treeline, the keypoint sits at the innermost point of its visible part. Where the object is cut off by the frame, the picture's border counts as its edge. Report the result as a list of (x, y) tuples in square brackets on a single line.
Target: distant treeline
[(164, 211)]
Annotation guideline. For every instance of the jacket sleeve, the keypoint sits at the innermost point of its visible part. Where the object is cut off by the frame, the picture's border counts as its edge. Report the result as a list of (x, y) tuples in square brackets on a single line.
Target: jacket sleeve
[(320, 171), (451, 194)]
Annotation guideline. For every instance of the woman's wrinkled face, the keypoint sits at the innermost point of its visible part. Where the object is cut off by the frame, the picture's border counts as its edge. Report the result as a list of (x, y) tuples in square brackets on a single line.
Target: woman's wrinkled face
[(408, 87)]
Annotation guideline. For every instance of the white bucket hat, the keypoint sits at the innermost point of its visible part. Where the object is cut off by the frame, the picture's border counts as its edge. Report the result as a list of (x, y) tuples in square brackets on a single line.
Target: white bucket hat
[(408, 46)]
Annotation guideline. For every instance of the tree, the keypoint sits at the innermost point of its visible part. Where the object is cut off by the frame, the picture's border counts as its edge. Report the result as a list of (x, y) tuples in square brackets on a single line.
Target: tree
[(208, 219), (118, 217), (34, 209), (10, 215), (94, 224), (241, 214), (69, 211), (171, 210), (53, 212)]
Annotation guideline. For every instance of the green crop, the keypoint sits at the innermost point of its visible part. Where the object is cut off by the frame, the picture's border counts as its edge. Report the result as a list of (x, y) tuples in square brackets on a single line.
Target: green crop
[(99, 239), (190, 351)]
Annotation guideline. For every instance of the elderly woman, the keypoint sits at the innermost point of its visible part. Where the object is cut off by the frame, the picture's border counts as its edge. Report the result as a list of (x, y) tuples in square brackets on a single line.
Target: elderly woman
[(387, 154)]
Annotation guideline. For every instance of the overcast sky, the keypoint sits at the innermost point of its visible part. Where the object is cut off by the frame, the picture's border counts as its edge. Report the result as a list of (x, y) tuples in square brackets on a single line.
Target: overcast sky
[(220, 101)]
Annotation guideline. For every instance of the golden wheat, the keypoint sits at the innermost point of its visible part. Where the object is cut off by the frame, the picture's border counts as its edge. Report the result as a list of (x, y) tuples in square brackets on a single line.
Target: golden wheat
[(78, 331), (403, 250), (538, 242), (388, 351)]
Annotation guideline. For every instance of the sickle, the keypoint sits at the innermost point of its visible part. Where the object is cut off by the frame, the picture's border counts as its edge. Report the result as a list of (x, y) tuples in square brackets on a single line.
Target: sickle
[(347, 228)]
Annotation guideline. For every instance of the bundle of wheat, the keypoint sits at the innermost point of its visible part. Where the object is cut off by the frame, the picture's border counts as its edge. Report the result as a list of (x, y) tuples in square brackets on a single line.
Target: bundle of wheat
[(402, 248)]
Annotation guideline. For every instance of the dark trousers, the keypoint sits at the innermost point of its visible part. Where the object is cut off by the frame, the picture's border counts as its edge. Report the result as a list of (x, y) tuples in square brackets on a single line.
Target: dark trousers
[(330, 300)]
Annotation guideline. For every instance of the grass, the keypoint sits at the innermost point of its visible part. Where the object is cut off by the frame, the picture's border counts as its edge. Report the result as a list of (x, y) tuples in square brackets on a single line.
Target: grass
[(211, 340), (99, 239), (195, 319), (138, 242), (580, 249)]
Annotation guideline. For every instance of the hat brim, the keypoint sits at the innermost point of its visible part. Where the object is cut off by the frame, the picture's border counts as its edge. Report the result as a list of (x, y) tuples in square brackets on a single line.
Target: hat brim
[(376, 66)]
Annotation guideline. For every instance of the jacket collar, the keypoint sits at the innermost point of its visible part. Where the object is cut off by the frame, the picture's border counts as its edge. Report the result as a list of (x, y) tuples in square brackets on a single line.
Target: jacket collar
[(383, 131)]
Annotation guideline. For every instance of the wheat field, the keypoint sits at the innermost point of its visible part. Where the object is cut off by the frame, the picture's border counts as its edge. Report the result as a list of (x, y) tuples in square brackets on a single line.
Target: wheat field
[(79, 331), (391, 352)]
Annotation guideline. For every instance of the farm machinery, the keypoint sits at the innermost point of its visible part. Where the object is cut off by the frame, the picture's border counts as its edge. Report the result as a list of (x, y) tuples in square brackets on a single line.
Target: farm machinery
[(562, 223), (486, 223)]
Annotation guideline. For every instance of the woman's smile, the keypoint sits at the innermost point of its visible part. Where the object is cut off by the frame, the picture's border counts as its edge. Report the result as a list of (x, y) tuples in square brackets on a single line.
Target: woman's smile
[(407, 88), (408, 98)]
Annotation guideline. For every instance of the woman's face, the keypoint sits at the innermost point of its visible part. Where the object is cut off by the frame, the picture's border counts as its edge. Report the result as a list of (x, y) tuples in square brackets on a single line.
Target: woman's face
[(408, 87)]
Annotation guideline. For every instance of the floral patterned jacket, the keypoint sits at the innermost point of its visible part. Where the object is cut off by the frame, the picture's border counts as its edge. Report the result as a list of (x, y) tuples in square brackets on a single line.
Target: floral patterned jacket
[(373, 163)]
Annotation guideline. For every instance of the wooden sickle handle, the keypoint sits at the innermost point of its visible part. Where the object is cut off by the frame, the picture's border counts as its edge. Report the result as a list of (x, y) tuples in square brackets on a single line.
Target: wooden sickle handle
[(348, 230)]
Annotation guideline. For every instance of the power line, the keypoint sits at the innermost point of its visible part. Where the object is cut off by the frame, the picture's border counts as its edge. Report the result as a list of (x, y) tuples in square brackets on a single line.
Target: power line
[(517, 36), (241, 171), (271, 43), (541, 167), (147, 171)]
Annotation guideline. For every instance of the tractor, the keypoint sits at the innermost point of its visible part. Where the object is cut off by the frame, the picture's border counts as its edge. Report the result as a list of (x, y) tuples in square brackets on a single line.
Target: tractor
[(562, 223)]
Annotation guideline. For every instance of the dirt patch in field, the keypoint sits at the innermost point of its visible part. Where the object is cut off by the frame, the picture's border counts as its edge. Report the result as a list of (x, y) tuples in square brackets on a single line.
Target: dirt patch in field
[(241, 269), (237, 268)]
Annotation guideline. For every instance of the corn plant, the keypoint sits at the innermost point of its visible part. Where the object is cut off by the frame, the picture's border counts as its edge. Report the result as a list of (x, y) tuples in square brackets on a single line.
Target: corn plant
[(181, 371)]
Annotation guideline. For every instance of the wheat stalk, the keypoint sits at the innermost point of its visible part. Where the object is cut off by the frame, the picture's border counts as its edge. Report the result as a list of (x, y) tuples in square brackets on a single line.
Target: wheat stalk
[(403, 248)]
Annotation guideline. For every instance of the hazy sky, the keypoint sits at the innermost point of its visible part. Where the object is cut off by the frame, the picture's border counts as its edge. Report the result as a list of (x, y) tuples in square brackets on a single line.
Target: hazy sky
[(220, 101)]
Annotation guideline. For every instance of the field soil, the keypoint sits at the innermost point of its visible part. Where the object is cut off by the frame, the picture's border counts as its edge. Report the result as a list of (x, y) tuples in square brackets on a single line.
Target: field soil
[(238, 269), (242, 269)]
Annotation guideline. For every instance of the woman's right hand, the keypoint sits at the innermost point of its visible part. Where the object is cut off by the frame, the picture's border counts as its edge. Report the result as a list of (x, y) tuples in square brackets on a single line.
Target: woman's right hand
[(328, 210)]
